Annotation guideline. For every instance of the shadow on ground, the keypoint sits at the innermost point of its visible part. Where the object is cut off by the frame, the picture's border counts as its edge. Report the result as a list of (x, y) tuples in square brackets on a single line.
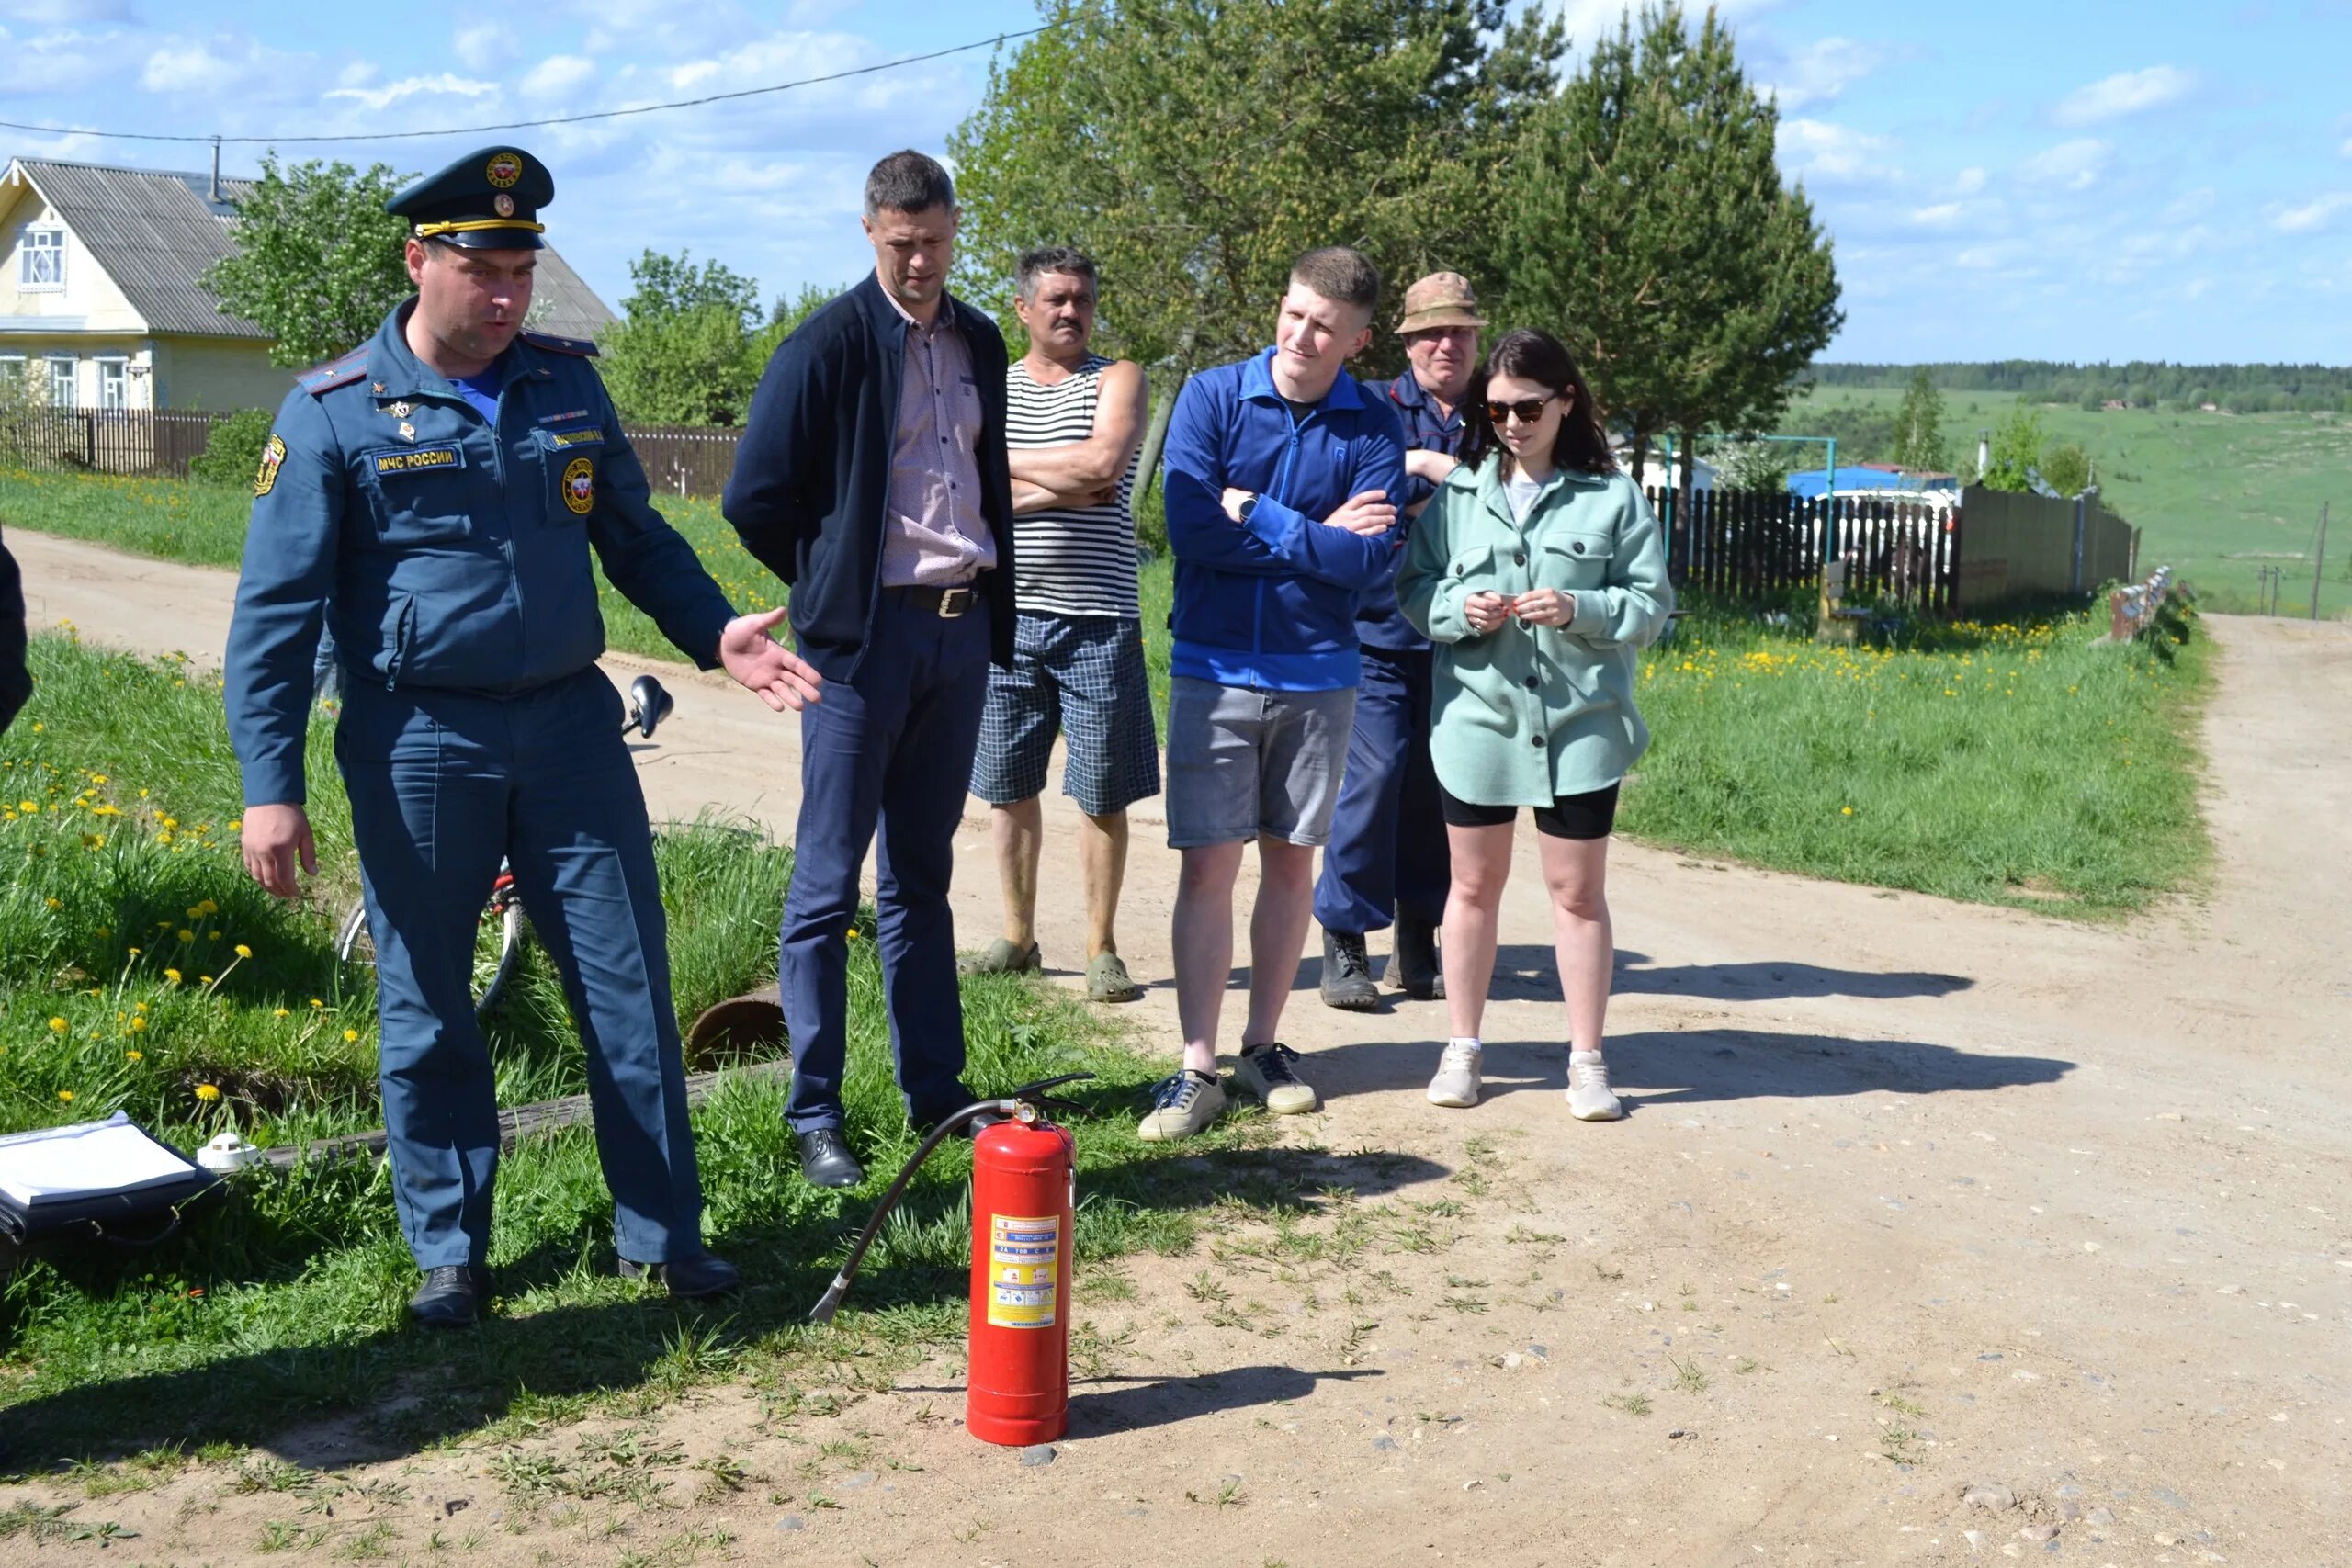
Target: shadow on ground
[(368, 1388), (1671, 1068)]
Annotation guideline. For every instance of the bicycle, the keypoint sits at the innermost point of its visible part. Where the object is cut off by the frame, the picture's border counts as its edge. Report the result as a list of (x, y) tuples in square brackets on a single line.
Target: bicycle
[(497, 942)]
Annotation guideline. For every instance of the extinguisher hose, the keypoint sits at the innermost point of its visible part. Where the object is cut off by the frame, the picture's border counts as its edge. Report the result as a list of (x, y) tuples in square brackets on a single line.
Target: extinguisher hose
[(1021, 1104)]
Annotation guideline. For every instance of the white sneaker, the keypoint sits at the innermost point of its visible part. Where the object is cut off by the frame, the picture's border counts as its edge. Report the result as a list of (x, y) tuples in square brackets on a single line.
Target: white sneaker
[(1456, 1084), (1588, 1096), (1266, 1072), (1182, 1106)]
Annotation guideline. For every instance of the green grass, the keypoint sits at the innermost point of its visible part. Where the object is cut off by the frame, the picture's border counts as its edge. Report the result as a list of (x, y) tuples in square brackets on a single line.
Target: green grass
[(2217, 496), (282, 1299), (2019, 762)]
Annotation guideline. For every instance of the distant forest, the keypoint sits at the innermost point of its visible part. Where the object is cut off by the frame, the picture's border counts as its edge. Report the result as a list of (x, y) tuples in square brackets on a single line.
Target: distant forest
[(2241, 389)]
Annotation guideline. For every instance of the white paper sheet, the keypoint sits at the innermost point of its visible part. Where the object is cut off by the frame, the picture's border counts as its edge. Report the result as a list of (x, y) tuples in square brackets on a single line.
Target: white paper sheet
[(97, 1157)]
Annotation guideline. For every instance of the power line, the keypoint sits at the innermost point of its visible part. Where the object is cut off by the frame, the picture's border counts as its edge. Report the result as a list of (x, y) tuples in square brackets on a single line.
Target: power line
[(533, 124)]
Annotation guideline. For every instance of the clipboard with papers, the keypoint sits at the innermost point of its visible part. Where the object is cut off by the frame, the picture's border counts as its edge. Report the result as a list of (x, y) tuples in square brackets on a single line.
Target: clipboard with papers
[(90, 1178)]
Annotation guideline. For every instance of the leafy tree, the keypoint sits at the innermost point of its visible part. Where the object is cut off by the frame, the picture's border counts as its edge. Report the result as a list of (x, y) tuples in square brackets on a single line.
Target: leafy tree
[(681, 353), (1918, 428), (317, 262), (2065, 467), (1649, 227), (2017, 447), (784, 318), (1195, 148), (1753, 465)]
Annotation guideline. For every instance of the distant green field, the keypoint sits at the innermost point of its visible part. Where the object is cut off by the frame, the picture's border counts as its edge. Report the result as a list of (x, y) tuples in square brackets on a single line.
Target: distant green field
[(2218, 496)]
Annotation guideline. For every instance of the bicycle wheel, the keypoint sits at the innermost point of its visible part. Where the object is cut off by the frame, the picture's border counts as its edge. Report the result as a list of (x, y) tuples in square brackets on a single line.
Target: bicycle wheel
[(498, 945)]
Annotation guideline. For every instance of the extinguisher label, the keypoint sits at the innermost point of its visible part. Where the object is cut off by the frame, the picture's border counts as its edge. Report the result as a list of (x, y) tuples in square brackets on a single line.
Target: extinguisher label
[(1024, 1262)]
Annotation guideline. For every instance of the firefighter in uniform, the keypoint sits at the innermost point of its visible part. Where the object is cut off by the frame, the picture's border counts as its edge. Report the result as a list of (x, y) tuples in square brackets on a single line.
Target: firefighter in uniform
[(435, 497)]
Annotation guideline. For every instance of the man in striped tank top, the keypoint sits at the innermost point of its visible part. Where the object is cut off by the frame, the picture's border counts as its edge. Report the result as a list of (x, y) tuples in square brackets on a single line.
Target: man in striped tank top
[(1073, 422)]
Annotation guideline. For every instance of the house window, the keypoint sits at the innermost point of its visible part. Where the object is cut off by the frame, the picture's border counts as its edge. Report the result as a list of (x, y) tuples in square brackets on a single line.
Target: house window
[(64, 377), (12, 368), (41, 260), (113, 374)]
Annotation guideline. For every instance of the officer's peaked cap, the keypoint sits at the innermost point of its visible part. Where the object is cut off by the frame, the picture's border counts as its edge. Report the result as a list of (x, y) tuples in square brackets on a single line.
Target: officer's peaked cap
[(486, 200)]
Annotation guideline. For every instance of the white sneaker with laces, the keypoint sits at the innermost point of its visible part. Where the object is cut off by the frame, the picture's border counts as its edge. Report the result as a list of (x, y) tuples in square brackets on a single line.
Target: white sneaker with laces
[(1182, 1105), (1590, 1098), (1456, 1084)]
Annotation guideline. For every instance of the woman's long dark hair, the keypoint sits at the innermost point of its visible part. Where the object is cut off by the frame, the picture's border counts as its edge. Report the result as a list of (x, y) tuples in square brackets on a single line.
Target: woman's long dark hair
[(1532, 355)]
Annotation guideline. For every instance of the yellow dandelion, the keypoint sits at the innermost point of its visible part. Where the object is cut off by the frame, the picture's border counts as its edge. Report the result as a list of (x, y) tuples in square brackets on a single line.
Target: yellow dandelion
[(349, 1035), (243, 952), (208, 1092), (172, 976), (57, 903), (204, 979), (236, 824), (138, 1024), (66, 1095), (206, 907), (193, 909), (58, 1025), (852, 933), (1847, 811), (284, 1012), (316, 1003), (134, 1056), (184, 934), (212, 936)]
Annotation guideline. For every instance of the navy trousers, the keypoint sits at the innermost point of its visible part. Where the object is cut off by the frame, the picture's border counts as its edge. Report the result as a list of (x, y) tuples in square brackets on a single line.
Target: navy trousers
[(892, 745), (1388, 851), (442, 784)]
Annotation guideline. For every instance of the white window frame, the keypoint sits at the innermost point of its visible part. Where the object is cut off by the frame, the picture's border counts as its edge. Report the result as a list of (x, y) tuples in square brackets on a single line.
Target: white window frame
[(114, 382), (68, 368), (48, 241)]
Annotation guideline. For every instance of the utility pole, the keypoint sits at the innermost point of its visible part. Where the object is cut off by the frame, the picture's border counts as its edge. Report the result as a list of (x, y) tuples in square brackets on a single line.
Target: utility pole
[(2319, 558)]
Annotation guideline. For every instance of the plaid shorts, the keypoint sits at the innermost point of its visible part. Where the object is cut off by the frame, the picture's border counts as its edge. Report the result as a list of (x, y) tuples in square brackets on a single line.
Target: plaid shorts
[(1084, 676)]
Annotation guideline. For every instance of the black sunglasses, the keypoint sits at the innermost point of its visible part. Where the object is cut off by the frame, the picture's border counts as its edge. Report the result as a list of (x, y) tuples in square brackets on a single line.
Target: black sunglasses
[(1527, 411)]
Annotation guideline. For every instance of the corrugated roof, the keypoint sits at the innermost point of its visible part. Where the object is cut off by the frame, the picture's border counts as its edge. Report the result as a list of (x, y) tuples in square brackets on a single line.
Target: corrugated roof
[(156, 234)]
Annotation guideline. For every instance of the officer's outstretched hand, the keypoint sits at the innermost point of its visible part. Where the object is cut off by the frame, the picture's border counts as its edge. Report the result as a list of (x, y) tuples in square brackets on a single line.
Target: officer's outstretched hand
[(781, 678), (274, 837)]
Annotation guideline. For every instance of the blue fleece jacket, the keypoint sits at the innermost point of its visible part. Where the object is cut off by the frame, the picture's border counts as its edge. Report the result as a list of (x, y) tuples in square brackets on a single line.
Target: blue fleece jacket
[(1271, 603)]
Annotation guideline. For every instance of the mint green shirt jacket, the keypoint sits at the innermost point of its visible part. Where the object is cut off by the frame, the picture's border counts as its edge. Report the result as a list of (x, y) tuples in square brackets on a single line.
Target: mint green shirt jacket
[(1525, 714)]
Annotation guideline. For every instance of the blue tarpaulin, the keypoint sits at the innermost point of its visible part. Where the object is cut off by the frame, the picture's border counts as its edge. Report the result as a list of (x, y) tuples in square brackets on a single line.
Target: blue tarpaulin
[(1813, 483)]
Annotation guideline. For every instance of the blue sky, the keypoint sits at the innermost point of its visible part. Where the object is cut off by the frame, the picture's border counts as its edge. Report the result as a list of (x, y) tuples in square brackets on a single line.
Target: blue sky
[(2159, 179)]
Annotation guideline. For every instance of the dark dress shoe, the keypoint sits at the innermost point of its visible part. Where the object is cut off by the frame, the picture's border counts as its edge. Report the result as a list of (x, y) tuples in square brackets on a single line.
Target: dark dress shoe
[(1415, 965), (1347, 974), (689, 1278), (826, 1161), (450, 1298)]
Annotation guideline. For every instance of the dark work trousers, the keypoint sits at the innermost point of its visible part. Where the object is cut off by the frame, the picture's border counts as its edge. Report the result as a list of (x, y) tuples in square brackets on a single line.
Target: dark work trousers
[(894, 743), (442, 784), (1388, 851)]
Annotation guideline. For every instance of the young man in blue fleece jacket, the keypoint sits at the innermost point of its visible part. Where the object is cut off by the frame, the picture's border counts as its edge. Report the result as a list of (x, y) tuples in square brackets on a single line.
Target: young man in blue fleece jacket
[(1281, 475)]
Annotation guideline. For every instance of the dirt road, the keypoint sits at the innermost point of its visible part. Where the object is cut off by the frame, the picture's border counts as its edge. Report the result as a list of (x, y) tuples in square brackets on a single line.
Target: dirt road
[(1915, 1197)]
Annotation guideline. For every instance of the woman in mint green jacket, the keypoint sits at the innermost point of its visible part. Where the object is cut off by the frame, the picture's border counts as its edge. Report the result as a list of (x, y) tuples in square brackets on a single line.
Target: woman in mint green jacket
[(1539, 573)]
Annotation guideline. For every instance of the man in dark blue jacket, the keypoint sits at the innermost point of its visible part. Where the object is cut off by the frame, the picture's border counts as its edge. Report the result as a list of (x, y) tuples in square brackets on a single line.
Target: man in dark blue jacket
[(436, 494), (872, 477), (1280, 474)]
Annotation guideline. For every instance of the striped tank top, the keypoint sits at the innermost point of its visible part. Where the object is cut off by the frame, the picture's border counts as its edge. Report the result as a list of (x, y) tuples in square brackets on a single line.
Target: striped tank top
[(1078, 561)]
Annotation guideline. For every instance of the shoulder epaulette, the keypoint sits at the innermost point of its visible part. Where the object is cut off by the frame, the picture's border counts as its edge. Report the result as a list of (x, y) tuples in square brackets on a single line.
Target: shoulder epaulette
[(333, 373), (554, 344)]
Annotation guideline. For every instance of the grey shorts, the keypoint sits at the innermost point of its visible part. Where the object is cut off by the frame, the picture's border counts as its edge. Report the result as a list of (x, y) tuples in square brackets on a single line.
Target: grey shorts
[(1242, 762)]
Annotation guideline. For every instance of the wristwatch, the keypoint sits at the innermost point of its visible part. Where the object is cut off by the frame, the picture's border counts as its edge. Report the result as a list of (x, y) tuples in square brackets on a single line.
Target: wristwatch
[(1249, 504)]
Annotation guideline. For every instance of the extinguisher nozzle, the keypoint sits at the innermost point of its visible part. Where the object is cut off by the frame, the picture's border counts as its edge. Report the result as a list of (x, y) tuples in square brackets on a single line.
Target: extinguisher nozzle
[(823, 1311)]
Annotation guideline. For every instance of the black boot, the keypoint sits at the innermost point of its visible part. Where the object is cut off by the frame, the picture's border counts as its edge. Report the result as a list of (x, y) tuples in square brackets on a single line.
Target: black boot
[(826, 1160), (450, 1298), (1414, 966), (1347, 974)]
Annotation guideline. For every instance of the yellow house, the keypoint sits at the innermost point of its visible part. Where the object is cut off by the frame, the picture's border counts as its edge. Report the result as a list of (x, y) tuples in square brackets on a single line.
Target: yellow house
[(101, 291)]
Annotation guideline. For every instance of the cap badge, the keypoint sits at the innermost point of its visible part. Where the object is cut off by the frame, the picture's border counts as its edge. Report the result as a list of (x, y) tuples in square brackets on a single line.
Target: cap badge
[(502, 204), (504, 169), (400, 409)]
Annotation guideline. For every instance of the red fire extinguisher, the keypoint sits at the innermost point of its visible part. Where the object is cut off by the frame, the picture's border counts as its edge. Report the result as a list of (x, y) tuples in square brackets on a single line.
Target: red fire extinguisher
[(1023, 1199)]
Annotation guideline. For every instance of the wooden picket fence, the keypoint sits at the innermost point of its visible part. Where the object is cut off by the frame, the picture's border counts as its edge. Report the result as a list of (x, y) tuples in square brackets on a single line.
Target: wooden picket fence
[(1763, 547), (108, 441)]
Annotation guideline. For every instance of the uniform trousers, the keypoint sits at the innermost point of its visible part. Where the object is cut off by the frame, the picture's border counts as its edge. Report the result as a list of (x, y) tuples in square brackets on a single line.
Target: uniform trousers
[(444, 784), (890, 746), (1388, 851)]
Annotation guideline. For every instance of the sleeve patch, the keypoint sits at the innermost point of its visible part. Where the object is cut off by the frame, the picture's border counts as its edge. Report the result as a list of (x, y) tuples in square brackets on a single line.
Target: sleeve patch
[(272, 456)]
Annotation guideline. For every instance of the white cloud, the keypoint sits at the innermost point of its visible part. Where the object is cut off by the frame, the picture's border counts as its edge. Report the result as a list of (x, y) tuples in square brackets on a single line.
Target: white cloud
[(1822, 71), (2070, 165), (1944, 215), (443, 85), (1970, 181), (489, 47), (2313, 215), (190, 68), (557, 75), (1833, 151), (2345, 151), (2126, 93)]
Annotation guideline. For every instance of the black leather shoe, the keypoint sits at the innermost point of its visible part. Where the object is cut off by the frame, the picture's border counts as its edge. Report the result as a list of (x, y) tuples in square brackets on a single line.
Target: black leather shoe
[(1414, 967), (826, 1161), (450, 1298), (1347, 974), (689, 1278)]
